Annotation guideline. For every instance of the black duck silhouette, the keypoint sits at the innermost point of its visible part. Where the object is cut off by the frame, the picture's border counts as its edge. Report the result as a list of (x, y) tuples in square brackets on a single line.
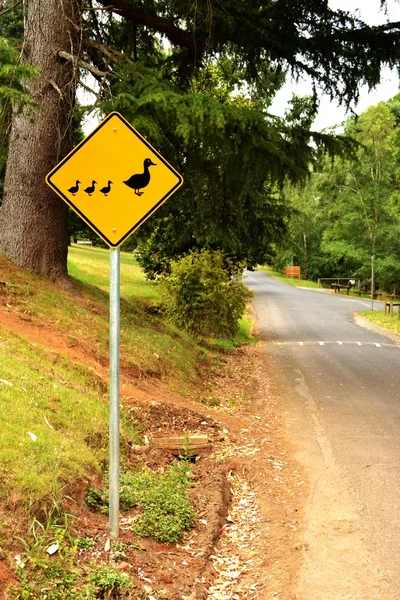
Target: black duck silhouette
[(140, 180), (75, 188), (89, 190), (106, 189)]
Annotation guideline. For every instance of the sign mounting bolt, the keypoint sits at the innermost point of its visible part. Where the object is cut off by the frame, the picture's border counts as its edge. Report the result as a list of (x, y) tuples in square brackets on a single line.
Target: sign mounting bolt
[(115, 129), (114, 230)]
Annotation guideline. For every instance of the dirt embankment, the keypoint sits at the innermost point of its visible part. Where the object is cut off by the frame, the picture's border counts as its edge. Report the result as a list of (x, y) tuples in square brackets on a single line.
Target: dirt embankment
[(248, 490)]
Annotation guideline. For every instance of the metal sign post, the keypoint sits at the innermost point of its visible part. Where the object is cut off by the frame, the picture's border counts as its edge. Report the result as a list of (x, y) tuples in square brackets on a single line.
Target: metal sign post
[(114, 391), (372, 282), (114, 180)]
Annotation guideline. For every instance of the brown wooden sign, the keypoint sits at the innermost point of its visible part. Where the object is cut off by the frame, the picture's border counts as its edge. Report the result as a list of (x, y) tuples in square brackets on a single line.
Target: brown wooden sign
[(293, 272)]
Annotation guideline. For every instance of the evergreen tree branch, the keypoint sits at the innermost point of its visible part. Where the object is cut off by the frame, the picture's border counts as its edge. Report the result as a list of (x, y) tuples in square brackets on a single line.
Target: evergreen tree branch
[(82, 64), (111, 53), (163, 25), (10, 8)]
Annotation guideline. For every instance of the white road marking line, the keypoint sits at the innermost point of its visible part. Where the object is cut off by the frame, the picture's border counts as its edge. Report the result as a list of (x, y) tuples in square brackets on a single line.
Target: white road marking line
[(333, 342)]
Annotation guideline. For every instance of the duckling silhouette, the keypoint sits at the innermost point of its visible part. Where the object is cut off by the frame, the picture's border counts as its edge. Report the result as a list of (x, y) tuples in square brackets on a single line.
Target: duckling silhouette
[(75, 188), (106, 189), (89, 190), (140, 180)]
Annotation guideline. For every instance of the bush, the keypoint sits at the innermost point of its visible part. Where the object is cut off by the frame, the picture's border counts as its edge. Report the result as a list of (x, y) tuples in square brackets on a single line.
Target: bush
[(166, 511), (202, 297), (109, 580)]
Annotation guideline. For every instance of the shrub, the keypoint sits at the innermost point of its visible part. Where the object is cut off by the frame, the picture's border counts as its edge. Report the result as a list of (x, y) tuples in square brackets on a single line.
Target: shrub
[(109, 580), (165, 507), (202, 297)]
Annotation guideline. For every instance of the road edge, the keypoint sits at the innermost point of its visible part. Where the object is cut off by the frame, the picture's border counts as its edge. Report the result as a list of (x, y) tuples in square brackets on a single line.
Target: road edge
[(363, 322)]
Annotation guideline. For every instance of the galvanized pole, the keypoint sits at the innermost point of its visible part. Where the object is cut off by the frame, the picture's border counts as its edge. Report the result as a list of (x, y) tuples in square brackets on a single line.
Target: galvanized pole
[(372, 282), (114, 391)]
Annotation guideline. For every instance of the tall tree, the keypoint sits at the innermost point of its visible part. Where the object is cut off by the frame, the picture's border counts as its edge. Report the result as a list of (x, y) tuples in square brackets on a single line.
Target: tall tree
[(33, 224), (364, 216), (12, 95), (260, 39), (349, 209)]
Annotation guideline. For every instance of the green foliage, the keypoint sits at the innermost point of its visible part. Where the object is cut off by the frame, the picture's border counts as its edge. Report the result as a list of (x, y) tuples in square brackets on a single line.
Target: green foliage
[(166, 511), (109, 580), (210, 116), (86, 543), (13, 73), (204, 102), (11, 22), (349, 210), (221, 145), (202, 297)]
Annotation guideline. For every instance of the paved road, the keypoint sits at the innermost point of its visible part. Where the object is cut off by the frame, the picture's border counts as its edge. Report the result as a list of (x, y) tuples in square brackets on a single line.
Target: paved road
[(340, 386)]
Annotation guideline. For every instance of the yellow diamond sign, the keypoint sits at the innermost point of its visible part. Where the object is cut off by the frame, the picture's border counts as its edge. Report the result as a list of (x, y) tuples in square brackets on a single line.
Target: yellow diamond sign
[(114, 180)]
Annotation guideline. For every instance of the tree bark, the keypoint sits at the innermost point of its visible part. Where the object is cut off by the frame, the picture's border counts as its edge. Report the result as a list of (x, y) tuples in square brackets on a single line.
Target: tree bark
[(33, 219)]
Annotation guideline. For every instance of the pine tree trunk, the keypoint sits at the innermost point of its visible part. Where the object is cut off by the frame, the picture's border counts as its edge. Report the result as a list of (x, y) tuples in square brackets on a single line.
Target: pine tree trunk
[(33, 220)]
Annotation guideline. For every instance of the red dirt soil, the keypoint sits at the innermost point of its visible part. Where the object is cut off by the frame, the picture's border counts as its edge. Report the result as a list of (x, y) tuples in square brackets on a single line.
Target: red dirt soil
[(249, 464)]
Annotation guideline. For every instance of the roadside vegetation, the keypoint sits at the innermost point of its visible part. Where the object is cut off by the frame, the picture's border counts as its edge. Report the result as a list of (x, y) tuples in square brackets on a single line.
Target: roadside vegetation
[(54, 420), (276, 274), (377, 317), (347, 212)]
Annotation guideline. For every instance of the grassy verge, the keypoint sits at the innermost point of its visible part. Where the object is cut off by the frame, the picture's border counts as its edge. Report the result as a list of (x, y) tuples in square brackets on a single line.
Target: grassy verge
[(53, 425), (377, 317), (149, 346), (54, 414), (245, 335), (289, 281)]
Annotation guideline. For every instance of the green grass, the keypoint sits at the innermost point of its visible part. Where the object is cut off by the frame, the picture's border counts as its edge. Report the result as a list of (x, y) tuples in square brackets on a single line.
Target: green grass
[(377, 317), (149, 345), (63, 405), (91, 266), (48, 417), (289, 280), (147, 342), (245, 335), (54, 417)]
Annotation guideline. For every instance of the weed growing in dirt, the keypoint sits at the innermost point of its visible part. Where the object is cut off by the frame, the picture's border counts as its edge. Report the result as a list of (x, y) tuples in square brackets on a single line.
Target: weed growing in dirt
[(58, 582), (85, 543), (210, 401), (48, 567), (165, 508), (108, 580)]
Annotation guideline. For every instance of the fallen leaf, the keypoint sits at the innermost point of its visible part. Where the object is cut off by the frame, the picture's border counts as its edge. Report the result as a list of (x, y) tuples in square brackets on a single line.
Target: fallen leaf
[(53, 548), (19, 561), (6, 382)]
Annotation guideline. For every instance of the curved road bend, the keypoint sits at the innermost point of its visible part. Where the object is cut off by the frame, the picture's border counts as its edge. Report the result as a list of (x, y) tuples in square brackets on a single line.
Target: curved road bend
[(340, 386)]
